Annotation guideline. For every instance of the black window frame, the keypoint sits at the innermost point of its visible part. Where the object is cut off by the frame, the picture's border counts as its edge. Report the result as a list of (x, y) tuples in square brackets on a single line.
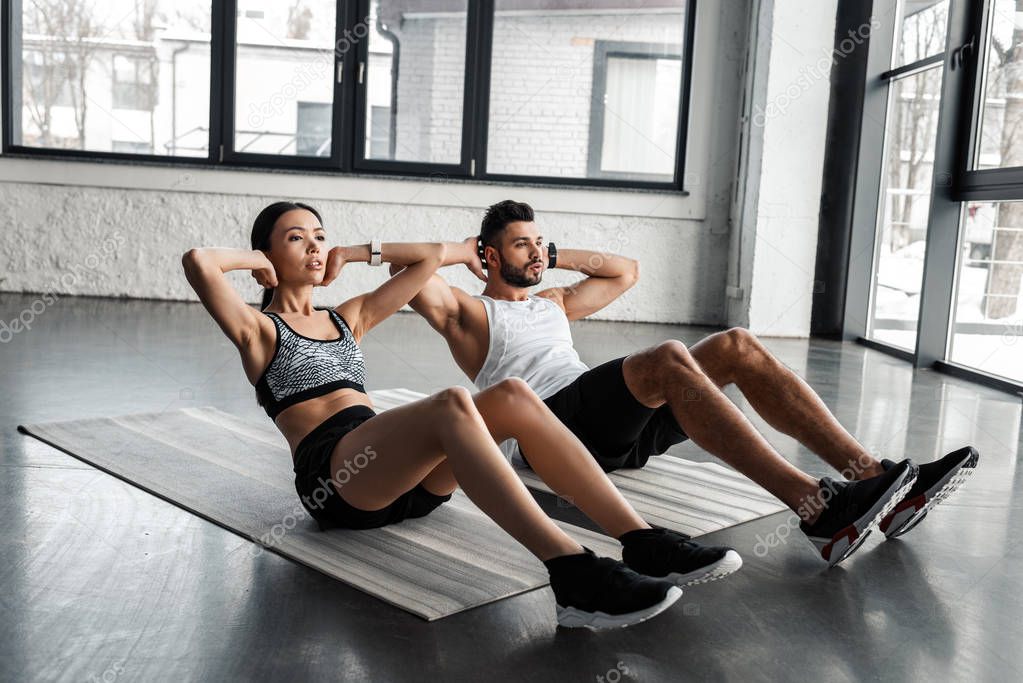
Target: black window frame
[(348, 117), (228, 49), (992, 184)]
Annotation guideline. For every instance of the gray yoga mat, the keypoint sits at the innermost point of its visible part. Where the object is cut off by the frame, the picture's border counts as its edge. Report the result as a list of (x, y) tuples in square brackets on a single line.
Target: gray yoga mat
[(238, 474), (691, 497)]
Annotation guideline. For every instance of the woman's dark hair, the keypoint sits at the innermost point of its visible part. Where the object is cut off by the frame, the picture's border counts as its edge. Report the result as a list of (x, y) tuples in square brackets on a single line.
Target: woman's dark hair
[(263, 227), (498, 216)]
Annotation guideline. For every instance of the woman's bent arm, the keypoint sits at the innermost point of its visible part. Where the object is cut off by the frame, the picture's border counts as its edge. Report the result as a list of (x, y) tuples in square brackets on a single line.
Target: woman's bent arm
[(421, 260), (205, 268)]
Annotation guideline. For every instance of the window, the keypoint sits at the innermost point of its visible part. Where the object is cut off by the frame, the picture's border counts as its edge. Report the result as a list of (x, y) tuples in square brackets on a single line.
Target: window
[(415, 74), (586, 89), (946, 280), (283, 52), (312, 134), (80, 90), (635, 105), (134, 85), (1000, 140), (914, 95), (380, 133), (987, 327), (580, 92), (922, 30), (906, 199)]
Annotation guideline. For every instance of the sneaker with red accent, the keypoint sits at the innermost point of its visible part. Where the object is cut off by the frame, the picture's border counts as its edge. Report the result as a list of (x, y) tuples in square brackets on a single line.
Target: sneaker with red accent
[(937, 481), (852, 509)]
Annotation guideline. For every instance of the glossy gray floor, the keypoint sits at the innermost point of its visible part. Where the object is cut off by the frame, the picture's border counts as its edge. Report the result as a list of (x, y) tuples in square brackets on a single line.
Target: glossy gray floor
[(101, 581)]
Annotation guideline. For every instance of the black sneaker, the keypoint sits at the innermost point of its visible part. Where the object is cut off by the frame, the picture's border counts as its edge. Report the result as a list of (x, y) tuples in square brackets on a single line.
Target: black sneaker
[(598, 592), (853, 508), (937, 481), (671, 555)]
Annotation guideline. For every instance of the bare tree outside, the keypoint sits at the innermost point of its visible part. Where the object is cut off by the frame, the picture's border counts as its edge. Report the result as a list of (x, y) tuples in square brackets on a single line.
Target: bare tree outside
[(61, 54), (914, 125)]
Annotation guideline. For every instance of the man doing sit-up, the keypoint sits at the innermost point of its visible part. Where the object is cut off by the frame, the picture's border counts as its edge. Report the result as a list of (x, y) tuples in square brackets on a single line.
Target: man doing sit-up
[(631, 408)]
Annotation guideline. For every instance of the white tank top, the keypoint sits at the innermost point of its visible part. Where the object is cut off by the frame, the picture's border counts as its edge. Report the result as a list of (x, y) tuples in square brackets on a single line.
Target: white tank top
[(530, 340)]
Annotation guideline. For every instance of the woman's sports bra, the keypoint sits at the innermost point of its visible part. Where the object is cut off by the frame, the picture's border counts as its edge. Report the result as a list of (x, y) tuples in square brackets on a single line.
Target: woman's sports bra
[(303, 368)]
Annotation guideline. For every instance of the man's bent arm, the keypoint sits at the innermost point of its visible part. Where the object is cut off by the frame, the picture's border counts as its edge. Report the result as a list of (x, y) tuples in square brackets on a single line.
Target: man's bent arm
[(608, 276)]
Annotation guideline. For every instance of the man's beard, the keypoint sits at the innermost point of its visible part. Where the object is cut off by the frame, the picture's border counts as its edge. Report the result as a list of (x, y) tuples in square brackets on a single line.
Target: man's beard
[(520, 277)]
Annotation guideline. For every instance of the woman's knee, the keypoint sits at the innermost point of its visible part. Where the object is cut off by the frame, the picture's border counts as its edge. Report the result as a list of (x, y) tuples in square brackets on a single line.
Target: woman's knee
[(454, 400)]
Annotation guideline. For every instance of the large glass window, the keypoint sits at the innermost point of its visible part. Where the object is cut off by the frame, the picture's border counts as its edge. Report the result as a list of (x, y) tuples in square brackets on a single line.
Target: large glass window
[(1000, 139), (905, 205), (284, 80), (987, 325), (586, 89), (415, 81), (118, 76)]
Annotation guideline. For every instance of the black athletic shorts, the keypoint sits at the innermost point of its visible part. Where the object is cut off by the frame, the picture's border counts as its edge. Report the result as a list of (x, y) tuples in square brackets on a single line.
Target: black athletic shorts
[(317, 491), (618, 430)]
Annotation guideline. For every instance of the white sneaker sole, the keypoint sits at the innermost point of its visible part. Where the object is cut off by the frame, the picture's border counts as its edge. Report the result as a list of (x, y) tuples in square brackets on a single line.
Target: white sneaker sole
[(729, 564), (848, 540), (571, 617), (908, 513)]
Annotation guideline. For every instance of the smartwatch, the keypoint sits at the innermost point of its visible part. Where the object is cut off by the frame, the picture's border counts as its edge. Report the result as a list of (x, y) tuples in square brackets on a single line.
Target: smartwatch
[(374, 253), (480, 251), (552, 255)]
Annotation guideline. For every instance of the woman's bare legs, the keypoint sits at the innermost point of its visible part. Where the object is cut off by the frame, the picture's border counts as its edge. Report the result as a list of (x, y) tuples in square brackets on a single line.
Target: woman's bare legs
[(402, 446), (510, 409)]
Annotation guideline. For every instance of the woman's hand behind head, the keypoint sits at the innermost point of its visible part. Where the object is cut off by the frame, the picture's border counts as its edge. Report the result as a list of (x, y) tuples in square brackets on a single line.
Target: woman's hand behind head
[(335, 262)]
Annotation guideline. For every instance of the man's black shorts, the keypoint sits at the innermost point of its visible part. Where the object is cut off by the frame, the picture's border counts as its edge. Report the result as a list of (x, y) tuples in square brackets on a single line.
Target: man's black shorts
[(617, 429)]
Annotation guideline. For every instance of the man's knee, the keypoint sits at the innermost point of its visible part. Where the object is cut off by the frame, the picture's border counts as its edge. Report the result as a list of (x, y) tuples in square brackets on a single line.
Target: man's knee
[(741, 340), (674, 353), (514, 388)]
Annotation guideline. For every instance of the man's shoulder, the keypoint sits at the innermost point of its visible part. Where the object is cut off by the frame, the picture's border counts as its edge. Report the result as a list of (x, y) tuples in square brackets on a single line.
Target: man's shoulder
[(553, 294), (471, 310)]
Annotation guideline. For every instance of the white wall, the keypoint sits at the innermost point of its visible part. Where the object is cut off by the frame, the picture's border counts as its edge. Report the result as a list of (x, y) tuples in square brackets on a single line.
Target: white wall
[(778, 204)]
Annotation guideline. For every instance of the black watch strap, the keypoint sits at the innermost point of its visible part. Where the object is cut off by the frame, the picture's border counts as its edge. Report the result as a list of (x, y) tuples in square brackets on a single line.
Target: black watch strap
[(552, 255)]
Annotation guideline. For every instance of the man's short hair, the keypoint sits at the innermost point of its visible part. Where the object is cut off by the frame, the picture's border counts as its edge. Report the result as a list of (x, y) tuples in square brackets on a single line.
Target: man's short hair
[(498, 216)]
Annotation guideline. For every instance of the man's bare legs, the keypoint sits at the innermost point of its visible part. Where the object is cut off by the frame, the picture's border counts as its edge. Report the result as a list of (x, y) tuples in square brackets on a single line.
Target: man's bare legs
[(782, 398), (668, 373)]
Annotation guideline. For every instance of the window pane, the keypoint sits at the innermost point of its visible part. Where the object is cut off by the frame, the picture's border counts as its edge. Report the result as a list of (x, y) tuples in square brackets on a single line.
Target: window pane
[(586, 89), (1000, 142), (284, 83), (415, 81), (906, 198), (923, 31), (987, 327), (119, 76)]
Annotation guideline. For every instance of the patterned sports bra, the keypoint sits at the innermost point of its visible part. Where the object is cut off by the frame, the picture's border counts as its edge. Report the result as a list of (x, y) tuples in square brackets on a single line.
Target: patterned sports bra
[(303, 368)]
